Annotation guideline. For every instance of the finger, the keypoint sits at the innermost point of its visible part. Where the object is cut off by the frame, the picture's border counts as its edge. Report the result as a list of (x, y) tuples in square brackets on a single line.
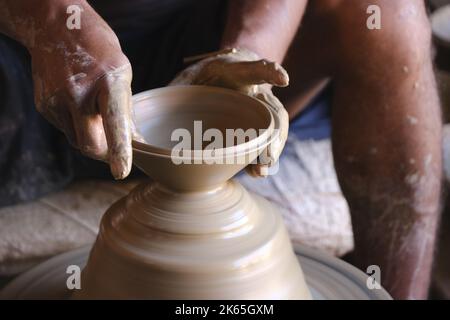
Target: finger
[(271, 154), (281, 124), (60, 118), (114, 101), (264, 162), (257, 170), (90, 135), (258, 72)]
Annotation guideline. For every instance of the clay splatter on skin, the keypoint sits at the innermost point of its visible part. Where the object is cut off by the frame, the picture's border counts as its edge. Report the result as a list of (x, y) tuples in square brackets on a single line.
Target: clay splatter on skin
[(78, 76), (412, 120), (412, 179), (408, 231), (427, 161), (408, 11), (82, 57), (413, 228), (79, 56)]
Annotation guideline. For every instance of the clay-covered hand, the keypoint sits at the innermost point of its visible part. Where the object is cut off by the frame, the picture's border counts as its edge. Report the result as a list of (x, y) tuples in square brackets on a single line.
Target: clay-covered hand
[(245, 71), (82, 82)]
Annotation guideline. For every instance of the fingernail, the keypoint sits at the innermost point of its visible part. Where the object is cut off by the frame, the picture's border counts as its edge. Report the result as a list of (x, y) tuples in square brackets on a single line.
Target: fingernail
[(120, 169), (284, 77)]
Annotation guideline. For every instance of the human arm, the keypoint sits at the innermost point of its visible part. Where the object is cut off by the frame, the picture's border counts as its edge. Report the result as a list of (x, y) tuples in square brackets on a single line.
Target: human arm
[(81, 78)]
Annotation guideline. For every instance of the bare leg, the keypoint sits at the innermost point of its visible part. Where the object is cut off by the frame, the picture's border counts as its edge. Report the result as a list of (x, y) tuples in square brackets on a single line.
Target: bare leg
[(386, 135)]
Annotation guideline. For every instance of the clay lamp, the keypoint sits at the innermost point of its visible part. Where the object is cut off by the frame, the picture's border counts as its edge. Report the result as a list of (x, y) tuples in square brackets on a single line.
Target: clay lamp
[(190, 232)]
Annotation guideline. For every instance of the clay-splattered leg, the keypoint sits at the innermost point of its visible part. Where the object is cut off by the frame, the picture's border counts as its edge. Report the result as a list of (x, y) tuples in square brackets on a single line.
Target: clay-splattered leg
[(386, 141), (386, 129)]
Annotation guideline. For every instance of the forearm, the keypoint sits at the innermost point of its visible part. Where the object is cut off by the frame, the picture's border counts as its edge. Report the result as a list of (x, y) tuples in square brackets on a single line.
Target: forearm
[(266, 27), (22, 19), (27, 20)]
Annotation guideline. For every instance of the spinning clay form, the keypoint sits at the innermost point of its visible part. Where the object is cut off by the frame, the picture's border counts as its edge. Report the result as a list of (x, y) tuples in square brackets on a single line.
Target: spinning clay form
[(190, 232)]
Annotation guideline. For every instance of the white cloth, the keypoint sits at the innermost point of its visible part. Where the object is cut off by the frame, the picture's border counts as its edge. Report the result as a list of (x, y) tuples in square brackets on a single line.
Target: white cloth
[(306, 191), (59, 222)]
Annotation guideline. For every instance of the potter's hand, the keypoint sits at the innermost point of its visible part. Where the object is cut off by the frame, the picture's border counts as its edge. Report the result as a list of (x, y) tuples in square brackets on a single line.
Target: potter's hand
[(244, 71), (81, 78)]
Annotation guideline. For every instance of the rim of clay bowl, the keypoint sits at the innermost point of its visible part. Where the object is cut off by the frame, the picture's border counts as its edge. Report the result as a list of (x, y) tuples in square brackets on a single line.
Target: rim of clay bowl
[(258, 143)]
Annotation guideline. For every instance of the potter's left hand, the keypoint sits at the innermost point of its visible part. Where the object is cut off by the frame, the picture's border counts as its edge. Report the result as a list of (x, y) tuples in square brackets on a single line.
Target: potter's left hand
[(244, 71)]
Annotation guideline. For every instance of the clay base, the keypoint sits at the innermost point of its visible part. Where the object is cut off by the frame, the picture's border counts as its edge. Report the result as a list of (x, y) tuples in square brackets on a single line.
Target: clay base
[(219, 244)]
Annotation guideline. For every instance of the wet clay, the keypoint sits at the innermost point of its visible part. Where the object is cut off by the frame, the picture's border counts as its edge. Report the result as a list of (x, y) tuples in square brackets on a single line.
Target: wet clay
[(191, 233)]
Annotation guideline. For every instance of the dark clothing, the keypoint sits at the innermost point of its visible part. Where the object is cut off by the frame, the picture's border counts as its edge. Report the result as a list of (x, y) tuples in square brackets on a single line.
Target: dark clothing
[(314, 122), (155, 35)]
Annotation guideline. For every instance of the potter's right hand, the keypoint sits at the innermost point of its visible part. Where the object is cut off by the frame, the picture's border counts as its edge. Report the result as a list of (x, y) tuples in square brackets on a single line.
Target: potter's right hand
[(82, 80)]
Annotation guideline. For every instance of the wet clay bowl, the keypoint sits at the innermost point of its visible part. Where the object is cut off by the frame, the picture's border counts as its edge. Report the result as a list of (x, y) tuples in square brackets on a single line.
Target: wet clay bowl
[(161, 113), (191, 233)]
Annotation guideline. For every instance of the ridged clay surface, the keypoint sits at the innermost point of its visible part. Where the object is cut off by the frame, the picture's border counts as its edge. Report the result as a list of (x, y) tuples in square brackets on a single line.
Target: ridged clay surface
[(192, 233)]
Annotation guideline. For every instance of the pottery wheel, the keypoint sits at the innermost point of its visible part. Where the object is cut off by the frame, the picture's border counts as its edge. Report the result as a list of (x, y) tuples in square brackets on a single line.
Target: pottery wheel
[(328, 278)]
